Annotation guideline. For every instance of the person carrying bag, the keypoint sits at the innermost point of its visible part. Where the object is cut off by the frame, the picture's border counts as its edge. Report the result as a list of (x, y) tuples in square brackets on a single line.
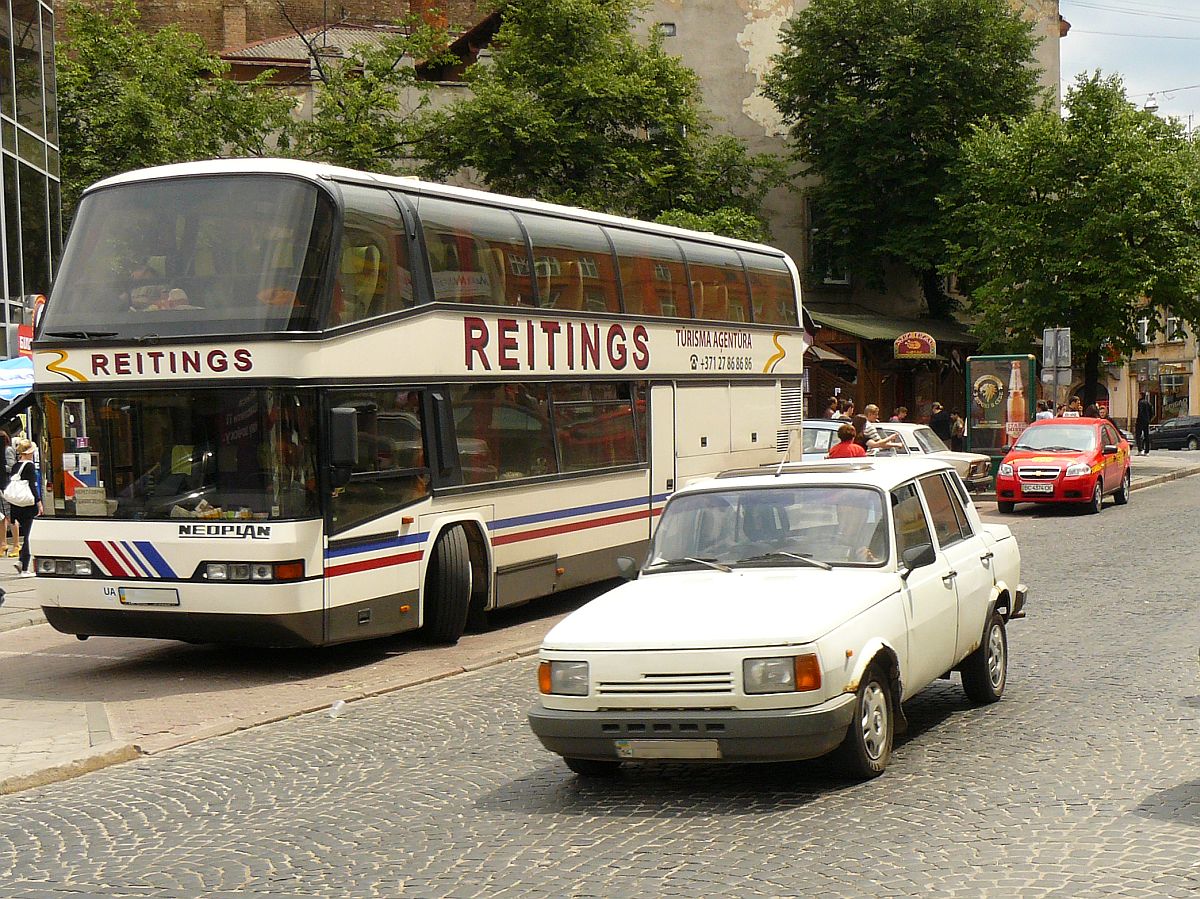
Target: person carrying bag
[(23, 499)]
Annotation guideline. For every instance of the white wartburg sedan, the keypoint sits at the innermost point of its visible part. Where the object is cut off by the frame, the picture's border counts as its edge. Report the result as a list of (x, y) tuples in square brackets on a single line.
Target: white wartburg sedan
[(782, 615)]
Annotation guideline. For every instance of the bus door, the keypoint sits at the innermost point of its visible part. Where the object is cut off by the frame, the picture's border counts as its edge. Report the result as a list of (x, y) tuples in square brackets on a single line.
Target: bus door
[(662, 447), (373, 554)]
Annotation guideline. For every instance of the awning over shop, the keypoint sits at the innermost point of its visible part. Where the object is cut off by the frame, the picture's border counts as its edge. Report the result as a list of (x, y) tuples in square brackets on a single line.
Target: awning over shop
[(16, 377), (860, 322), (821, 354)]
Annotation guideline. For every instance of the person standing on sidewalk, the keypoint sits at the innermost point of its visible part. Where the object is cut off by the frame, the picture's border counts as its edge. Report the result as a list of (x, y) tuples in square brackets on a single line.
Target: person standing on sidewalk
[(24, 515), (1145, 412)]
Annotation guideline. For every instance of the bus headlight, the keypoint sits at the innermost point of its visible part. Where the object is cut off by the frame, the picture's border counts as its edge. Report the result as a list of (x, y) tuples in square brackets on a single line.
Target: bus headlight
[(258, 572), (49, 565)]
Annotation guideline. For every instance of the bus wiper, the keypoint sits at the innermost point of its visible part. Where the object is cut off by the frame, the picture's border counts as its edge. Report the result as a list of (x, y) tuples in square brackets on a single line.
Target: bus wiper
[(807, 560), (81, 335), (711, 563)]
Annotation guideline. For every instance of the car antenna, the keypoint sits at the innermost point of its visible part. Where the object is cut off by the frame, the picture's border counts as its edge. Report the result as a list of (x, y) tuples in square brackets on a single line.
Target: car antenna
[(787, 453)]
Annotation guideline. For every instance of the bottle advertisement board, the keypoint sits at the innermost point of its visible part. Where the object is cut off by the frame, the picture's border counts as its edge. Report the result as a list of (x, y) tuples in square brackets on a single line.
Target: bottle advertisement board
[(1001, 393)]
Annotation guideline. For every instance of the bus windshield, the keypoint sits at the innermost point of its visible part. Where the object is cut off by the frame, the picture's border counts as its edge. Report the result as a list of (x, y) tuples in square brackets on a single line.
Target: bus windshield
[(203, 454), (194, 256)]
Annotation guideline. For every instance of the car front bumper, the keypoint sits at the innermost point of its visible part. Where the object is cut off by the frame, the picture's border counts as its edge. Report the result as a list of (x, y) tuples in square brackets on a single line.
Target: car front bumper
[(775, 735), (1064, 490)]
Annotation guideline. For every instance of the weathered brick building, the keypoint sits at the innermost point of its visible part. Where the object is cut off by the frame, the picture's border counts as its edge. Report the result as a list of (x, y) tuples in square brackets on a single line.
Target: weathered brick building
[(234, 23)]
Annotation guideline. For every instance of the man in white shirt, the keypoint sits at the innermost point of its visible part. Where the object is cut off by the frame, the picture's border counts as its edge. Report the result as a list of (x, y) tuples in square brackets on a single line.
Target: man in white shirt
[(1043, 410), (875, 440)]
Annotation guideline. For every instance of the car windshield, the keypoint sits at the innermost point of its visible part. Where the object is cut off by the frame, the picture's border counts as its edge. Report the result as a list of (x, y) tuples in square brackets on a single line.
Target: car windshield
[(929, 441), (1058, 438), (780, 526)]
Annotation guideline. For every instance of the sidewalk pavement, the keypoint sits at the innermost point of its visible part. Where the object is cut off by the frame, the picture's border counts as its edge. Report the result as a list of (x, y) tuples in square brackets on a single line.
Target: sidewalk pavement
[(67, 707)]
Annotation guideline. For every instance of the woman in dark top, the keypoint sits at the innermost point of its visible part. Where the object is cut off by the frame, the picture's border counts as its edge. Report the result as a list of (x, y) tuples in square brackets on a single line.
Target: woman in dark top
[(24, 515)]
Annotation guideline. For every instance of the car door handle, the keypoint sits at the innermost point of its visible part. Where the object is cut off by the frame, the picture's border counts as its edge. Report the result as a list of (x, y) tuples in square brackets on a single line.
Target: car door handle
[(949, 576), (987, 557)]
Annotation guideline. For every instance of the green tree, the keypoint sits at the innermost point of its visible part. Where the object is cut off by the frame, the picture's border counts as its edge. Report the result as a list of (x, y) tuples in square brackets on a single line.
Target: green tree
[(574, 109), (1078, 222), (877, 95), (128, 99), (367, 101)]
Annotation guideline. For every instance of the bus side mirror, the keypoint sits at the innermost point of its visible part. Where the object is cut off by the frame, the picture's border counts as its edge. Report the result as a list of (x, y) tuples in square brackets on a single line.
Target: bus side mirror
[(343, 444)]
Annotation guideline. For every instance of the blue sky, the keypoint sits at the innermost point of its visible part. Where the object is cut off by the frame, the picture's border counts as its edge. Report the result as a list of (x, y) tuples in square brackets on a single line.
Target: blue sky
[(1154, 45)]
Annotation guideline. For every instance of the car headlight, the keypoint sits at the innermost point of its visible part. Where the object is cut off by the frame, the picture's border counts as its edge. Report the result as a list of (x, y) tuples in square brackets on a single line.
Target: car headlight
[(563, 678), (978, 468), (1078, 470), (782, 674), (1005, 470)]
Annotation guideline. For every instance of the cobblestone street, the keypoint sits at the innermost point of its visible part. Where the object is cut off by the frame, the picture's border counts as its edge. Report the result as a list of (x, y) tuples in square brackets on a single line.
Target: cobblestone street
[(1083, 781)]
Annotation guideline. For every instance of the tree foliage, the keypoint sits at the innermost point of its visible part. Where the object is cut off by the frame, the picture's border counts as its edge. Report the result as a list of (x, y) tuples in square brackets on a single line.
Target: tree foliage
[(1078, 222), (877, 95), (367, 103), (128, 99), (574, 109)]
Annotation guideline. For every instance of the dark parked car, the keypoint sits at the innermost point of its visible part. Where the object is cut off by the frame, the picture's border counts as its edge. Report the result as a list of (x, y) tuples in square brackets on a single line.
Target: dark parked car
[(1177, 433)]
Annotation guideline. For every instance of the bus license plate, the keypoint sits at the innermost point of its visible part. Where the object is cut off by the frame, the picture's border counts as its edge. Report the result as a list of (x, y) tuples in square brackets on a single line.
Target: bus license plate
[(148, 596), (668, 749), (1037, 488)]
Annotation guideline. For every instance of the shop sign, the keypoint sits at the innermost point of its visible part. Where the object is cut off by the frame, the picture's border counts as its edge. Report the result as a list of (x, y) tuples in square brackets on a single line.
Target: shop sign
[(915, 345), (1175, 368)]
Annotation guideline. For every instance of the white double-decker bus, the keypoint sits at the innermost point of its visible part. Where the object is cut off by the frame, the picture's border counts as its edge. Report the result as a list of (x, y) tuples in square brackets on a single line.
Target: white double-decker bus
[(289, 404)]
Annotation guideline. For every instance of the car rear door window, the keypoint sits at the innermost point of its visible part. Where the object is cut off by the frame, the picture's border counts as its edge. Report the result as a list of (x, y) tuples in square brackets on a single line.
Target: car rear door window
[(946, 520)]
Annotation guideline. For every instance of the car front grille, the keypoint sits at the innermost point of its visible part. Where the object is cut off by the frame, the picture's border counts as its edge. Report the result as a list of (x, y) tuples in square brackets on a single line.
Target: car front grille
[(712, 682), (1037, 473)]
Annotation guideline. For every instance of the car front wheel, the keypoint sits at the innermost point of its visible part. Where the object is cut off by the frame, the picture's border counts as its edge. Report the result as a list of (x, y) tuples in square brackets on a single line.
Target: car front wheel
[(867, 748), (985, 671), (1005, 508), (1097, 501), (592, 767)]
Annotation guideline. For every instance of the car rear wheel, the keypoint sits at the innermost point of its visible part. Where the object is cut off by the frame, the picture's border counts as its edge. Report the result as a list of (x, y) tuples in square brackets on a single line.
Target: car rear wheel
[(592, 767), (1097, 500), (985, 671), (1121, 497), (1005, 508), (867, 748), (1193, 443)]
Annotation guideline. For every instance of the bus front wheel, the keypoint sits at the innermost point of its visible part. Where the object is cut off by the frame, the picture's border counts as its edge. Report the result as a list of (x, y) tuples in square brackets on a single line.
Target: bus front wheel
[(448, 587)]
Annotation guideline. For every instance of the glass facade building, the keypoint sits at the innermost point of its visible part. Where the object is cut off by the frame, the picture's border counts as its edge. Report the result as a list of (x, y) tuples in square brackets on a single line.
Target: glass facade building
[(30, 217)]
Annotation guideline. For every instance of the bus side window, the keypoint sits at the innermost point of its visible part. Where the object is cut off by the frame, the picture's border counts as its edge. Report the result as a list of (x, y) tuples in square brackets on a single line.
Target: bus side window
[(373, 274)]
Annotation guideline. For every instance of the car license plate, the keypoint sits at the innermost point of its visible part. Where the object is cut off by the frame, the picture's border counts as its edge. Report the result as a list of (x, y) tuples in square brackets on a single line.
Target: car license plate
[(148, 596), (1037, 488), (668, 749)]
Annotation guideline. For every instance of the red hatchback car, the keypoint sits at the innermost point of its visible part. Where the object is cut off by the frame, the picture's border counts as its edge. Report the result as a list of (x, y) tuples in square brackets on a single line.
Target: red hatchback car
[(1065, 460)]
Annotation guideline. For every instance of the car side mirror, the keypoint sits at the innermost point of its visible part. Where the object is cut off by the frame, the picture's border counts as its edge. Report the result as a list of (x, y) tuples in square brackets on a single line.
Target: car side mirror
[(627, 567), (1110, 449), (919, 556)]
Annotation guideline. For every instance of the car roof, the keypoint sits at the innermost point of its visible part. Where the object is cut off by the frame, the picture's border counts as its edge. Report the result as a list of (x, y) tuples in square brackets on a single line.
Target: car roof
[(881, 473), (1092, 422), (906, 427)]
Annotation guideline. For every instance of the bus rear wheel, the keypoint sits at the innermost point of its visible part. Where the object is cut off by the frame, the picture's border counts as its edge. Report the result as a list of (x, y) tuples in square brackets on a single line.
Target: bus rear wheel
[(448, 587)]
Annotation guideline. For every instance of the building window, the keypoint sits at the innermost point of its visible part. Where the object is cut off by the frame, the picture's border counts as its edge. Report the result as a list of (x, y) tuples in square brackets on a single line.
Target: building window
[(1175, 331), (667, 29), (1143, 331)]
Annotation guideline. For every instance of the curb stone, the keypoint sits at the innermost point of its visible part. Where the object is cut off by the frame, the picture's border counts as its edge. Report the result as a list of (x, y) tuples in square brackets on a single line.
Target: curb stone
[(85, 763)]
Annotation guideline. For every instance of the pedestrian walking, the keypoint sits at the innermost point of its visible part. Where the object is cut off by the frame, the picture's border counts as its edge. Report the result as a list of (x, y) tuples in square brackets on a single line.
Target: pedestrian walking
[(1145, 412), (25, 471), (958, 428), (846, 448), (876, 440), (831, 408), (9, 457), (940, 422)]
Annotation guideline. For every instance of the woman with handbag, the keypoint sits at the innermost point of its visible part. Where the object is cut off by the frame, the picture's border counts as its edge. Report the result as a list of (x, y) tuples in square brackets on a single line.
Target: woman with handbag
[(24, 499)]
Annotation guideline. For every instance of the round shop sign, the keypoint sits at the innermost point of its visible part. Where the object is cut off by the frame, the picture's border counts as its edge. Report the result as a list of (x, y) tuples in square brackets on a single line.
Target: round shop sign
[(988, 391)]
